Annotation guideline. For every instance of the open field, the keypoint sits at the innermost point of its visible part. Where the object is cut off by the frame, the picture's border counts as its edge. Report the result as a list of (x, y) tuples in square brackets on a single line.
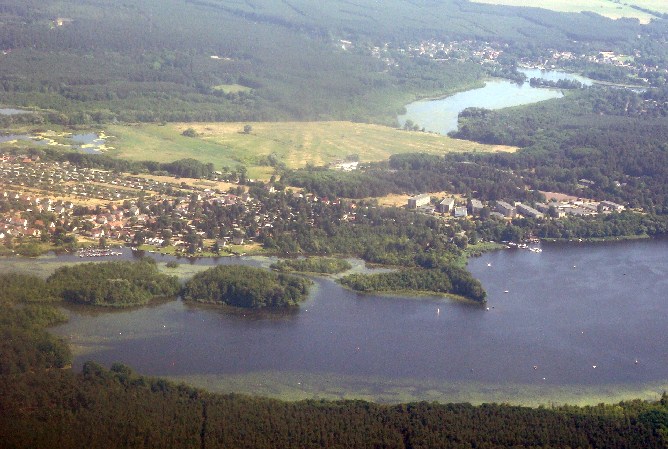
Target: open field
[(295, 144), (204, 184), (613, 9), (401, 200), (232, 88), (78, 200)]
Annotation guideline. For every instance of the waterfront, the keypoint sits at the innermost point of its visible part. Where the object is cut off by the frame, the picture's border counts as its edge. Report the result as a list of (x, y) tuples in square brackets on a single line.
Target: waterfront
[(440, 115), (582, 322)]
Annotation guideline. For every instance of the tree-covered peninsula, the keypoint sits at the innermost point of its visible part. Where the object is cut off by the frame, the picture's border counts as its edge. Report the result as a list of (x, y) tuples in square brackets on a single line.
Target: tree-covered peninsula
[(320, 265), (112, 284), (448, 279), (246, 287)]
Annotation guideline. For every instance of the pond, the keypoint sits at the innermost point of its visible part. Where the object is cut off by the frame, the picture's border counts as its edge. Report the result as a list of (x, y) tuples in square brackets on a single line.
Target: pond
[(440, 115), (575, 323), (90, 143)]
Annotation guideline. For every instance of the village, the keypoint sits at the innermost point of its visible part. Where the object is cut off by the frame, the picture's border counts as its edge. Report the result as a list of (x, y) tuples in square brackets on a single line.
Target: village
[(40, 201), (58, 203), (490, 54)]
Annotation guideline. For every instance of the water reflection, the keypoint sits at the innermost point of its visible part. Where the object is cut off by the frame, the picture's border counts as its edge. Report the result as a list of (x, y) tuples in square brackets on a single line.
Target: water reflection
[(567, 309)]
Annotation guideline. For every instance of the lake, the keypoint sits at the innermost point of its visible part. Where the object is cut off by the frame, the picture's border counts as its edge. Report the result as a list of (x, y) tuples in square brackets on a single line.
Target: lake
[(440, 115), (579, 323), (10, 111)]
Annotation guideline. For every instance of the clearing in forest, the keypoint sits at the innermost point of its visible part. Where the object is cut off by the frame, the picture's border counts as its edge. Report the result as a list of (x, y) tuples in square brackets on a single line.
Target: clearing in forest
[(294, 144)]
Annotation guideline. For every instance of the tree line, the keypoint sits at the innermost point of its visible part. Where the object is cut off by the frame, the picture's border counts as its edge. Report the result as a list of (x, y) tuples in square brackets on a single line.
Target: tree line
[(125, 284), (613, 138), (117, 408), (448, 279), (44, 405), (112, 284)]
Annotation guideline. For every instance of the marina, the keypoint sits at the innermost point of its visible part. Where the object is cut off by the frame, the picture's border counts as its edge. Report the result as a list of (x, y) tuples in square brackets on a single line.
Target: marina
[(98, 252)]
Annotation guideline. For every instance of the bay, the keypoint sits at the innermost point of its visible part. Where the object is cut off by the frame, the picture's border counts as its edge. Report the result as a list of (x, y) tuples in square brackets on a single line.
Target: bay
[(578, 323)]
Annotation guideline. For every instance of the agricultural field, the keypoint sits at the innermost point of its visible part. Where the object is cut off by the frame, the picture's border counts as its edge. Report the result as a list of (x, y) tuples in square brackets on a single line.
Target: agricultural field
[(295, 144), (613, 9)]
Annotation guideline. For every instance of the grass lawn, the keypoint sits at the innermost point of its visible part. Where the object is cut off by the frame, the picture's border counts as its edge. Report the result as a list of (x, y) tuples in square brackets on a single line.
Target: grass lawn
[(293, 143), (606, 8)]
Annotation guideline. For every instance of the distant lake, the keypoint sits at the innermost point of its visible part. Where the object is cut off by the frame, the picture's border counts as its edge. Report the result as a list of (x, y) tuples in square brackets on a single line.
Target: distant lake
[(440, 115), (578, 321), (10, 111)]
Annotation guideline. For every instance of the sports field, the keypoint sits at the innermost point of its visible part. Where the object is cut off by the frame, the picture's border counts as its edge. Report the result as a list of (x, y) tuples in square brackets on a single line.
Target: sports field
[(295, 144), (613, 9)]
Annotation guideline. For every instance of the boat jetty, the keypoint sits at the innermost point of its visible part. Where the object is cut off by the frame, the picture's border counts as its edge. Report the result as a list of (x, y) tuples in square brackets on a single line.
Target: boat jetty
[(98, 252), (533, 249)]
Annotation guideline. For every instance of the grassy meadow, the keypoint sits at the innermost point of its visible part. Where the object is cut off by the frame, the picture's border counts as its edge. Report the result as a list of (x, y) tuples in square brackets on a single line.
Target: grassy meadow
[(295, 144), (613, 9)]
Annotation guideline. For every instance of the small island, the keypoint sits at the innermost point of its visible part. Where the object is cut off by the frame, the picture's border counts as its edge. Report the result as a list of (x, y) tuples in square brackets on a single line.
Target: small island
[(446, 280), (246, 287), (319, 265), (112, 284)]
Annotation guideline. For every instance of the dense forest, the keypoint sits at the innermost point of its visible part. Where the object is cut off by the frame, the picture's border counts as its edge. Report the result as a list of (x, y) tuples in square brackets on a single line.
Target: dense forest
[(402, 175), (112, 284), (46, 407), (130, 63), (81, 62), (246, 287), (612, 138), (448, 279)]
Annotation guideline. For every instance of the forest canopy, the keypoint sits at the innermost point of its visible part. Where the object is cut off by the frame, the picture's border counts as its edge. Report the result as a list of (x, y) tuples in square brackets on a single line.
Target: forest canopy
[(80, 63), (247, 287), (112, 284), (449, 279)]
